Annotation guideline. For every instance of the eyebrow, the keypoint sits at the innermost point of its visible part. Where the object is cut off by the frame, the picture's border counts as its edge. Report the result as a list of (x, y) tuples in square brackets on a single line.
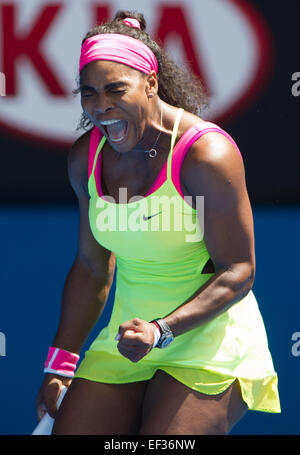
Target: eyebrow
[(109, 86)]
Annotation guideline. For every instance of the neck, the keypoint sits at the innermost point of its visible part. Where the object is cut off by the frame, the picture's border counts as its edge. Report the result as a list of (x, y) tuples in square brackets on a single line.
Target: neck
[(153, 129)]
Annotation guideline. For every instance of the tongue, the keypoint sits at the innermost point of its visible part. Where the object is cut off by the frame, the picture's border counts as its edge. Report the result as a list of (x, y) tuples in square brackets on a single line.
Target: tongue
[(117, 130)]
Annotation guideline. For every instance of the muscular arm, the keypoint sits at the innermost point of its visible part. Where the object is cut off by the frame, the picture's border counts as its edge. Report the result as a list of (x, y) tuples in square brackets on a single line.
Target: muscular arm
[(89, 280), (87, 285), (215, 170)]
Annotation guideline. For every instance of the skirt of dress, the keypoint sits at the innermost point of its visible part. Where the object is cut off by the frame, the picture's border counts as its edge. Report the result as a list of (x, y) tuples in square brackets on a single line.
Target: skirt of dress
[(259, 394), (207, 359)]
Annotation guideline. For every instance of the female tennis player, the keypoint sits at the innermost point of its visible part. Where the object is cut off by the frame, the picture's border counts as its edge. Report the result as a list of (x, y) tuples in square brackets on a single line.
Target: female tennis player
[(162, 196)]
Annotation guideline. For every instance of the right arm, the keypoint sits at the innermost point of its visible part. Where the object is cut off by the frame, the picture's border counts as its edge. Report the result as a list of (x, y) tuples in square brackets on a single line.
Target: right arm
[(88, 282)]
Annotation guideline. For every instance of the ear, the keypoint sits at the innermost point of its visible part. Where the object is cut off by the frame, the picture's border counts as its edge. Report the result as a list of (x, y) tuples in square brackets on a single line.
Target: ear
[(151, 84)]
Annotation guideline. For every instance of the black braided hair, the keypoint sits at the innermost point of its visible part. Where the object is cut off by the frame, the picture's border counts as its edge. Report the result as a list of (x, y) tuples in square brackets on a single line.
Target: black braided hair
[(177, 86)]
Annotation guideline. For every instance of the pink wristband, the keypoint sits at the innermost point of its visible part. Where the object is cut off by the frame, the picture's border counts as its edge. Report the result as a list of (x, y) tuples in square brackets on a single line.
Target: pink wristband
[(61, 362)]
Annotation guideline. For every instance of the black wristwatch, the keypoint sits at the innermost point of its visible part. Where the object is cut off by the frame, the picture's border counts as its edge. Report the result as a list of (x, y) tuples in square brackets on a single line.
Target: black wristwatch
[(166, 335)]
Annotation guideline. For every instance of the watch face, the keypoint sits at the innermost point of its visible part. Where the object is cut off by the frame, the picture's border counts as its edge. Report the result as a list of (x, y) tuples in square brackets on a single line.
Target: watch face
[(165, 341)]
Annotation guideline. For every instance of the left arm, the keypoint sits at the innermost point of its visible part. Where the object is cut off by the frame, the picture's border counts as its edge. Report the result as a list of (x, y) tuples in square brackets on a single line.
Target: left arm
[(213, 169), (216, 171)]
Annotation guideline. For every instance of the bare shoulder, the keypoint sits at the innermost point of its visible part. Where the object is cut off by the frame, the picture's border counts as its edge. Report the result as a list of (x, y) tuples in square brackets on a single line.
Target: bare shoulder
[(78, 162), (212, 159)]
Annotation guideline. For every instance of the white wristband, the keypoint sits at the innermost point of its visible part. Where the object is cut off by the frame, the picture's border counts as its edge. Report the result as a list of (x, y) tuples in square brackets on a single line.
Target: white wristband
[(58, 373), (156, 337)]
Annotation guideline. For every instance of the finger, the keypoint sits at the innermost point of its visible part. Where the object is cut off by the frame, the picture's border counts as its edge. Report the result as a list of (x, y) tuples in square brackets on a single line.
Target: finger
[(126, 333), (51, 400), (41, 411), (133, 325), (51, 407), (131, 355), (131, 343), (128, 350), (135, 337), (66, 381), (139, 348)]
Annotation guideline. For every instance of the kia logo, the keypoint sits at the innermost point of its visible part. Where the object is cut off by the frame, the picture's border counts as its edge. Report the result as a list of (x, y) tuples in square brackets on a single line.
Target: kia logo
[(225, 42)]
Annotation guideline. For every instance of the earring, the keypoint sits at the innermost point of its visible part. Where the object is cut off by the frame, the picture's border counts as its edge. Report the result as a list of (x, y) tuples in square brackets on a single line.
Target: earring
[(150, 95)]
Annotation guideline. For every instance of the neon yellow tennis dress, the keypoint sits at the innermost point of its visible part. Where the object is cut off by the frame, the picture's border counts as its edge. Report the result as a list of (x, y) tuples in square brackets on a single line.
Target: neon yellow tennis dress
[(160, 254)]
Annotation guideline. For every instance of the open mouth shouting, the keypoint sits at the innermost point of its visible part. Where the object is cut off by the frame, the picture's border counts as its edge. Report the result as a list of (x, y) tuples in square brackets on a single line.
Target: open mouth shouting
[(115, 130)]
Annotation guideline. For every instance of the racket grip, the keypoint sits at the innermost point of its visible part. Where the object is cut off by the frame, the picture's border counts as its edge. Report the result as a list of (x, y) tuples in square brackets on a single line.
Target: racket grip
[(45, 425)]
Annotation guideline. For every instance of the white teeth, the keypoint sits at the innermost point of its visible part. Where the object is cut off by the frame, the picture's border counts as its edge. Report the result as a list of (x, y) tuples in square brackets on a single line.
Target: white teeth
[(117, 140), (109, 122)]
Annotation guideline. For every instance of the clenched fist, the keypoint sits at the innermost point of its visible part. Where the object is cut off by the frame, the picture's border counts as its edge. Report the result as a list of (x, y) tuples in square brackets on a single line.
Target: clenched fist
[(136, 338)]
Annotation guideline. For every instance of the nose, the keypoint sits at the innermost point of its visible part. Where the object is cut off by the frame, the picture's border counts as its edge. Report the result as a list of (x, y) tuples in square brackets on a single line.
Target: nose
[(102, 104)]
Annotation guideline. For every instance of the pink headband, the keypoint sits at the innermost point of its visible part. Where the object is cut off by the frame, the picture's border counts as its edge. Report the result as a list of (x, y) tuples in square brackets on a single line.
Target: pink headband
[(118, 48)]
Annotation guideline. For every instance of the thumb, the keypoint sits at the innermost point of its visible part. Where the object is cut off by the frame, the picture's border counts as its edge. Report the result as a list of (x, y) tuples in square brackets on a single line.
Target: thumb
[(127, 332), (129, 327)]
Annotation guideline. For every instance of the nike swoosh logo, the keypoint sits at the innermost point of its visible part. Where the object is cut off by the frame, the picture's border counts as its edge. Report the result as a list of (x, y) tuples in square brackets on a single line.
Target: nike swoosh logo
[(146, 218)]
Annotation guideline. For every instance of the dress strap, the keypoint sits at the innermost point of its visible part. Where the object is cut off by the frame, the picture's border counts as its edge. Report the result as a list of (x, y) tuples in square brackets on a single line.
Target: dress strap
[(96, 144), (173, 139), (185, 142)]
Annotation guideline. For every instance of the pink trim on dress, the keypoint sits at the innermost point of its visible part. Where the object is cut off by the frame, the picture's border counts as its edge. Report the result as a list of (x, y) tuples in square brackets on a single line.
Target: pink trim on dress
[(97, 175), (186, 141), (94, 142), (179, 151), (160, 179), (95, 139)]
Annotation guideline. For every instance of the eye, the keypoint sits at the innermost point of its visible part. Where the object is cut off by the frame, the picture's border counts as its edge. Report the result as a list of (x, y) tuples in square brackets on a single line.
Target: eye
[(86, 92), (117, 91)]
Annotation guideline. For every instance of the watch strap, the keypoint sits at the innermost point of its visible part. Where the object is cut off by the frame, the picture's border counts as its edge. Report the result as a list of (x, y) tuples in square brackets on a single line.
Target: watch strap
[(165, 333), (157, 325), (164, 327)]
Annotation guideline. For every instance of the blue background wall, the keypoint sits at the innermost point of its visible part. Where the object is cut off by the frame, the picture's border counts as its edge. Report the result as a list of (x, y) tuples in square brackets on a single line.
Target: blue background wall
[(37, 248)]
